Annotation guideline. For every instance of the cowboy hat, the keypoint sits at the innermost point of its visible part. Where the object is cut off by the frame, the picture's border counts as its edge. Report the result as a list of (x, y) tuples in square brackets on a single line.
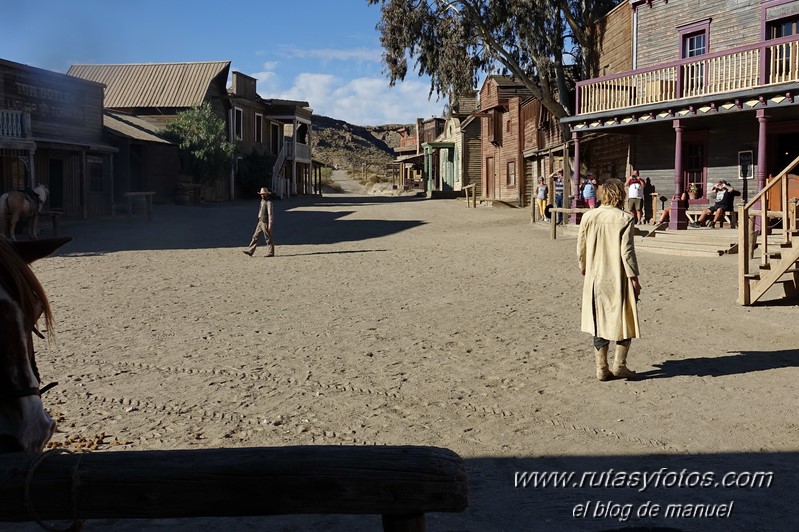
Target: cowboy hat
[(264, 190)]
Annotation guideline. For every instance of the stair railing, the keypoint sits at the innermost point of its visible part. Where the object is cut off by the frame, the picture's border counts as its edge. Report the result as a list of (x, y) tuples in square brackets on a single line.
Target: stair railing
[(748, 231)]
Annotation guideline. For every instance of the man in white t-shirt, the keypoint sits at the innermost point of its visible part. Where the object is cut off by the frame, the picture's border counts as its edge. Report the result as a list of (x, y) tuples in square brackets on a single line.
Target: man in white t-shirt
[(635, 195)]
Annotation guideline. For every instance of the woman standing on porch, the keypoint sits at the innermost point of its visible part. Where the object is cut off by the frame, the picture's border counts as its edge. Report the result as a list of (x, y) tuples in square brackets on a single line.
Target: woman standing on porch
[(606, 254), (541, 194)]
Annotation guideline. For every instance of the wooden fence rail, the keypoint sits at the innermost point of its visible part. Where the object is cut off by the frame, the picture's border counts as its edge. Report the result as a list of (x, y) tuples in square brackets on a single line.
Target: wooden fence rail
[(399, 482), (466, 190)]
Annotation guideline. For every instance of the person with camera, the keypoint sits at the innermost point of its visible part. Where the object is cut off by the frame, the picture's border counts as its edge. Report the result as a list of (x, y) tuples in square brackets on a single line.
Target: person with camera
[(635, 195), (725, 195)]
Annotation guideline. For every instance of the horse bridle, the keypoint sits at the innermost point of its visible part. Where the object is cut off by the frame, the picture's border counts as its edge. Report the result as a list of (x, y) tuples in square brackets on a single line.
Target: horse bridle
[(12, 394)]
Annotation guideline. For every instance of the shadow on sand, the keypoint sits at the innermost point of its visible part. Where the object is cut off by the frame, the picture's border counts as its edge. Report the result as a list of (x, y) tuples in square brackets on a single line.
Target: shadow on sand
[(298, 221), (731, 364)]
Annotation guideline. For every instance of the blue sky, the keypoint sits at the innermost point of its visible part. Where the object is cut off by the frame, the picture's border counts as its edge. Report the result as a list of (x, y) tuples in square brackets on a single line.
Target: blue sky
[(326, 52)]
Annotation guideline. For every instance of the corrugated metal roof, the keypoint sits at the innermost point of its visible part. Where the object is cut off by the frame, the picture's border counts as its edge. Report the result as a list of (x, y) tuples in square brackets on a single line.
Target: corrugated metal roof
[(153, 84), (131, 127)]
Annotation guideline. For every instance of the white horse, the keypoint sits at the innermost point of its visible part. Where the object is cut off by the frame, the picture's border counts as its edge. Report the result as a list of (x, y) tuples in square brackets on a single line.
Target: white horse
[(21, 204)]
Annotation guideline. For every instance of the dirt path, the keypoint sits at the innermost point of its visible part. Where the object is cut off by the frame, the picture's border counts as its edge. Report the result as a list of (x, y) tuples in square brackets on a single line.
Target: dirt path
[(412, 321)]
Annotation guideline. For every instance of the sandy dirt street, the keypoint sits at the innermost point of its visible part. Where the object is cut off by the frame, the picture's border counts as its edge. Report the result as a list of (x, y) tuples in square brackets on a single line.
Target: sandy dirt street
[(400, 320)]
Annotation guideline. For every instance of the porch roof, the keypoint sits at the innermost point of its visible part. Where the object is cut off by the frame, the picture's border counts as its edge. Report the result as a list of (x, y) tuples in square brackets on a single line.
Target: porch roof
[(131, 127), (409, 158)]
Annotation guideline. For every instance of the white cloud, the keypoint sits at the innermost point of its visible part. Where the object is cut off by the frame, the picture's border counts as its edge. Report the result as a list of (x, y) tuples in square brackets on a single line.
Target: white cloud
[(362, 101), (333, 54)]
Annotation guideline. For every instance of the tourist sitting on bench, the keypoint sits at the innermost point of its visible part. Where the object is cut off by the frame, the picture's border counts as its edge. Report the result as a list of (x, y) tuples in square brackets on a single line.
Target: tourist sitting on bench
[(725, 195), (665, 216)]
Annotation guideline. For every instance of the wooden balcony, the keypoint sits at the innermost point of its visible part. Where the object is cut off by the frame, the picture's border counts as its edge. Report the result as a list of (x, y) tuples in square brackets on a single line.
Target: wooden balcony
[(15, 124), (763, 65)]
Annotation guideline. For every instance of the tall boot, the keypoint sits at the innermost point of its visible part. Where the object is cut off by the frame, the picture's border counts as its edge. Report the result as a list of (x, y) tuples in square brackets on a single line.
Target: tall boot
[(620, 368), (602, 371)]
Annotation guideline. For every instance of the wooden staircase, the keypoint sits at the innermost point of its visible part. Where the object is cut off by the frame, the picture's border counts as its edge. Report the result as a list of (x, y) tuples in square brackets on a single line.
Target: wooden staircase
[(279, 186), (769, 256), (703, 242)]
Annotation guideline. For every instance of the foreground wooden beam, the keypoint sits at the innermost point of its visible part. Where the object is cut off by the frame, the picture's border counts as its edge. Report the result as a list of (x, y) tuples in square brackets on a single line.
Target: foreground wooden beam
[(399, 482)]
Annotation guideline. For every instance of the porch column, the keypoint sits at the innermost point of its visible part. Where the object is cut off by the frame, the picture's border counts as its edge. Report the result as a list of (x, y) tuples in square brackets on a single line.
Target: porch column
[(762, 147), (677, 217), (32, 169), (762, 131), (574, 218)]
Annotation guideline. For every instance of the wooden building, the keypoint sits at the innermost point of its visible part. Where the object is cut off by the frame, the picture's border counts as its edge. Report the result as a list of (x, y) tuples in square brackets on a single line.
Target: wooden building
[(156, 92), (455, 154), (278, 128), (144, 161), (709, 93), (410, 157), (502, 139), (51, 133)]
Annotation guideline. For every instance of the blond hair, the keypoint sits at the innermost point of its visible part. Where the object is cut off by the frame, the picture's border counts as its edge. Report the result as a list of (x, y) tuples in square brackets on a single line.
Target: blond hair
[(613, 193)]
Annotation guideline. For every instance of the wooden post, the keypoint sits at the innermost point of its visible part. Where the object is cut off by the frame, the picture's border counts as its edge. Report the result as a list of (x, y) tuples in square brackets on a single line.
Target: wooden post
[(399, 482), (743, 256)]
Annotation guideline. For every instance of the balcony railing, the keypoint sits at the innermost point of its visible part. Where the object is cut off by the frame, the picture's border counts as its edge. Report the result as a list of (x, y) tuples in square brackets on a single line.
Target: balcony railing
[(732, 70), (15, 124)]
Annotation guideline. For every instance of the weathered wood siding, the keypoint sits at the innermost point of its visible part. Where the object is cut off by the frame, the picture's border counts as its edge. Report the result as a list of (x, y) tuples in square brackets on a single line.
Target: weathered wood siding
[(62, 108), (472, 160), (607, 156), (733, 23), (503, 152), (533, 139), (615, 42)]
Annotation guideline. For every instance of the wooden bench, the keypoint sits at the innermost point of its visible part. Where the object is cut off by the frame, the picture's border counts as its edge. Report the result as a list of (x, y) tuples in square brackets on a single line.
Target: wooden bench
[(401, 483), (731, 217)]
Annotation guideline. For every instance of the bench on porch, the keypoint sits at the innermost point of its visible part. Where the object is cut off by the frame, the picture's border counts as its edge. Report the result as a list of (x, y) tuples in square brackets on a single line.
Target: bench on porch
[(731, 217)]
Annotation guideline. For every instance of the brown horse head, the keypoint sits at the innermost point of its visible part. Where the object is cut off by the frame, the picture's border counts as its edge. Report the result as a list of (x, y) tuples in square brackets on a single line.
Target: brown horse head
[(24, 424)]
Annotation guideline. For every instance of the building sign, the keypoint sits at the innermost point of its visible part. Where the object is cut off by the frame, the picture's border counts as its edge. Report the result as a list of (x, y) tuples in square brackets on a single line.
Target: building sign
[(745, 164), (44, 101)]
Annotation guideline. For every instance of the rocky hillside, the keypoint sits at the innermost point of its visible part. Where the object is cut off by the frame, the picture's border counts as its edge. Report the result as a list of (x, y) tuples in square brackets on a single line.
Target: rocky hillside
[(357, 149)]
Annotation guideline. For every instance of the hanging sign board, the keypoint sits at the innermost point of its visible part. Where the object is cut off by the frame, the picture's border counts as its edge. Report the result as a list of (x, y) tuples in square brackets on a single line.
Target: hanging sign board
[(745, 168)]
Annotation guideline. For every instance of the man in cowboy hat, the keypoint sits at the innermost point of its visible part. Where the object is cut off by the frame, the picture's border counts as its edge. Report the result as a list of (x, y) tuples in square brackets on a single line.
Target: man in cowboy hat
[(265, 220)]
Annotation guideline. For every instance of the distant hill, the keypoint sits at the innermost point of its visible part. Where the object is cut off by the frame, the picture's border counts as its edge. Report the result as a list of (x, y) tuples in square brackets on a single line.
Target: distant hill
[(348, 147)]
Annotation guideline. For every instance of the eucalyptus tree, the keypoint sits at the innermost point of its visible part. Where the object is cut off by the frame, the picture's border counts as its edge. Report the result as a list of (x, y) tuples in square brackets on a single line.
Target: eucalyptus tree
[(544, 44)]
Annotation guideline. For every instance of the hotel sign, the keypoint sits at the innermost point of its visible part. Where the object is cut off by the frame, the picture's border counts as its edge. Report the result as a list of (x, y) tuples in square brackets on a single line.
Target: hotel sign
[(45, 101)]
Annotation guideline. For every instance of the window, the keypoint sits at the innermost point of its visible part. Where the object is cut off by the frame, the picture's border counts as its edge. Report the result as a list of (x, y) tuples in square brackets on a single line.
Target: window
[(783, 28), (277, 141), (238, 118), (495, 127), (780, 57), (507, 126), (511, 173), (781, 18), (694, 43), (259, 128)]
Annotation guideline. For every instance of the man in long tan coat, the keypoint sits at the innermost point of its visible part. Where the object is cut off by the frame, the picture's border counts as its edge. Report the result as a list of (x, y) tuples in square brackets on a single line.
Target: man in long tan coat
[(606, 252)]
